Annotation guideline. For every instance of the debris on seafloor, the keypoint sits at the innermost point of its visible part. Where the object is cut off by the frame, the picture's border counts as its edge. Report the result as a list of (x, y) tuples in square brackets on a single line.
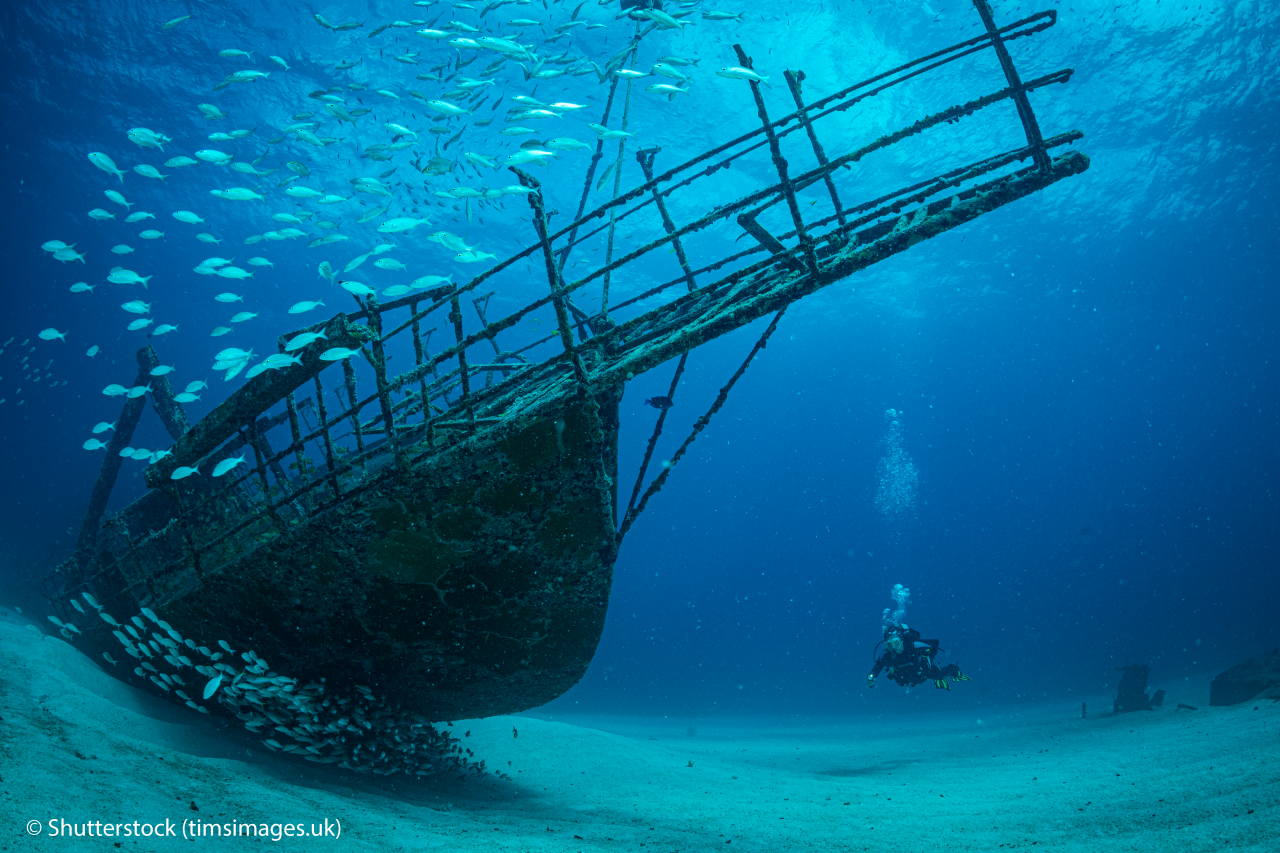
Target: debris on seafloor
[(1247, 680), (1131, 694)]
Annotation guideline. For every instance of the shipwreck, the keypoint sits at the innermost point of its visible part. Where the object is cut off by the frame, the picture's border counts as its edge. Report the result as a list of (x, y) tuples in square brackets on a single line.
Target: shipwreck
[(437, 542)]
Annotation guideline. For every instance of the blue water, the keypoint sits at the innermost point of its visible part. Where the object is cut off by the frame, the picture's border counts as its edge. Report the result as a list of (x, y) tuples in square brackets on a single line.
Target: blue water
[(1086, 380)]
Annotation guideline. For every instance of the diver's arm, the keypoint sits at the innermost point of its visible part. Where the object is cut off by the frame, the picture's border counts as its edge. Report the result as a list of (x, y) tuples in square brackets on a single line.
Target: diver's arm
[(875, 670)]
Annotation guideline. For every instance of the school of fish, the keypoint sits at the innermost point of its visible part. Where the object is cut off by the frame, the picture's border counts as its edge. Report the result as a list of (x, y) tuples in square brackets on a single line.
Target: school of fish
[(356, 731), (434, 140)]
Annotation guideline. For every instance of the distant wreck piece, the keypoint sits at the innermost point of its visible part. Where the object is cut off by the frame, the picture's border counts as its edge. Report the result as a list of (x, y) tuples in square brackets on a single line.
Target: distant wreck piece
[(1131, 694), (436, 521), (1247, 680)]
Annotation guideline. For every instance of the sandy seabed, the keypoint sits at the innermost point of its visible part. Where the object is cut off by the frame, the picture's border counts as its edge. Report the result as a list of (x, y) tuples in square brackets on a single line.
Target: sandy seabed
[(76, 745)]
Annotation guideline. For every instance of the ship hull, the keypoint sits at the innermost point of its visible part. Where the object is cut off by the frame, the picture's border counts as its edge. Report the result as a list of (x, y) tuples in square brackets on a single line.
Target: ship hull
[(473, 584)]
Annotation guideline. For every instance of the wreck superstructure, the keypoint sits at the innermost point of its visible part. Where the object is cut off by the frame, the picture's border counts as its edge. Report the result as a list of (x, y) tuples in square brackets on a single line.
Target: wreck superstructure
[(443, 534)]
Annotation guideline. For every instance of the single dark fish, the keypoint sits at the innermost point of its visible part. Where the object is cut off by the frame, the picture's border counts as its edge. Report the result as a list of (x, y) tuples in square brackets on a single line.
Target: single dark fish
[(454, 138), (660, 402)]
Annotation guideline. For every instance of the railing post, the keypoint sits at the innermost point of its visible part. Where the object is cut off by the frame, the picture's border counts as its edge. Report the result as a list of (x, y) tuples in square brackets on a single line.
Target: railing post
[(295, 433), (379, 361), (1029, 123), (250, 436), (322, 412), (645, 156), (263, 445), (464, 372), (794, 79), (169, 410), (806, 242), (553, 272), (419, 352), (353, 403)]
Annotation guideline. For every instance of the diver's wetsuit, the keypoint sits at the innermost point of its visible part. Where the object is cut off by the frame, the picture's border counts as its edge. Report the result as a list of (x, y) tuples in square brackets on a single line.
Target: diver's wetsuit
[(916, 664)]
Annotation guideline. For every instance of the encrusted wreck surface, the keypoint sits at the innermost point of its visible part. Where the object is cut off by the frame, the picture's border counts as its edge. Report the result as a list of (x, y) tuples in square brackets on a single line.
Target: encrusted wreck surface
[(475, 585), (1247, 679)]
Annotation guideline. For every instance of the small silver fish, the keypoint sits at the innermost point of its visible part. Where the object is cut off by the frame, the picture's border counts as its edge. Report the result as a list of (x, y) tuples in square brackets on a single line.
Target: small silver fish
[(736, 72)]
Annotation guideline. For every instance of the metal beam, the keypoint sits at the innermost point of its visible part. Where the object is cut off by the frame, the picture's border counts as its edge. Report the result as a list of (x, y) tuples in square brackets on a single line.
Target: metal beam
[(780, 164), (1025, 113), (110, 470)]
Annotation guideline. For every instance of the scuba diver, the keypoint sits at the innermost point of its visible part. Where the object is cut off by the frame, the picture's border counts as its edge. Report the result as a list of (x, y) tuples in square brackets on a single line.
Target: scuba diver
[(910, 660)]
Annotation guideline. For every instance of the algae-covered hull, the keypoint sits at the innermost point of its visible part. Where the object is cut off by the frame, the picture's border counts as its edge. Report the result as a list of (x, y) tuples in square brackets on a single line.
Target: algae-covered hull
[(475, 584)]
